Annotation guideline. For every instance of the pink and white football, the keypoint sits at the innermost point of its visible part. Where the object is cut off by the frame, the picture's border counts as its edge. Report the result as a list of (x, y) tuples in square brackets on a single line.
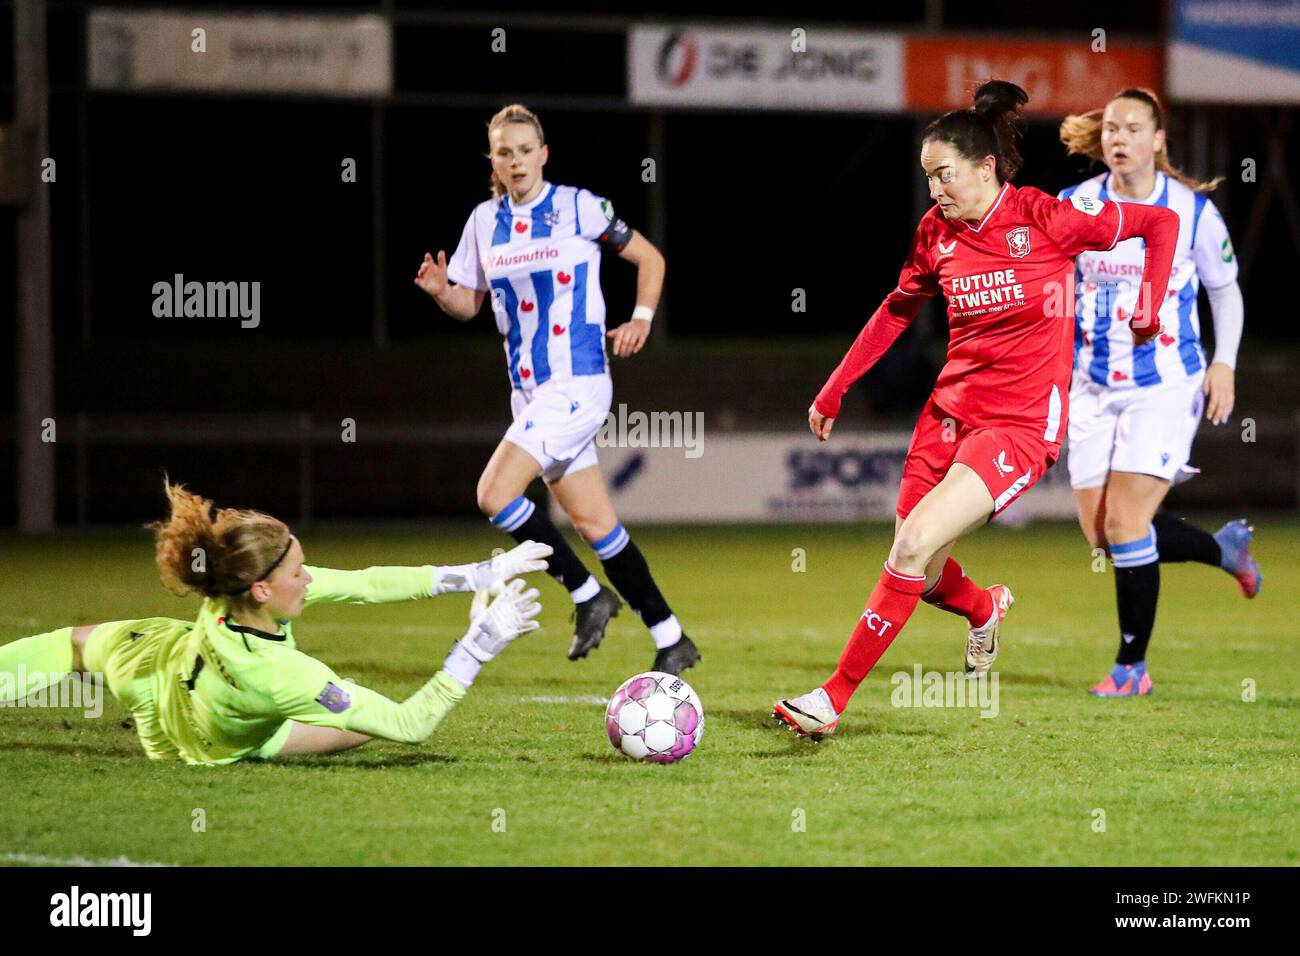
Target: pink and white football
[(655, 717)]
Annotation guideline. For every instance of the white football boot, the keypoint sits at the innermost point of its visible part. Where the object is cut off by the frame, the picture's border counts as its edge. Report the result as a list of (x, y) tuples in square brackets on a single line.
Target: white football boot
[(982, 643), (811, 715)]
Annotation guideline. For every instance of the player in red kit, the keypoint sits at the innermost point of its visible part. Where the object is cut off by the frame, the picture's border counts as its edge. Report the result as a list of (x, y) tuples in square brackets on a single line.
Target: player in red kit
[(1004, 259)]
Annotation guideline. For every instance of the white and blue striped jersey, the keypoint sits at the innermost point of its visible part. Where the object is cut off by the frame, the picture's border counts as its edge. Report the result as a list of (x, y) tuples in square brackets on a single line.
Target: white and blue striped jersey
[(541, 262), (1107, 285)]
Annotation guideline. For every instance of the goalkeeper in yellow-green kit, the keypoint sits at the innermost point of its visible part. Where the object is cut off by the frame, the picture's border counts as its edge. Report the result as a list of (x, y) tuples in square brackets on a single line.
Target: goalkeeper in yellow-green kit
[(231, 684)]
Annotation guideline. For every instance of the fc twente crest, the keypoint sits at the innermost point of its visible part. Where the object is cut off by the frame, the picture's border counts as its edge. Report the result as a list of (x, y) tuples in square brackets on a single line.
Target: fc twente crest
[(1018, 242)]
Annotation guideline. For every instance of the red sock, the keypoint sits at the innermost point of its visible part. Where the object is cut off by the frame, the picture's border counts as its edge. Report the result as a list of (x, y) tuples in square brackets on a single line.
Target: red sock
[(958, 594), (891, 603)]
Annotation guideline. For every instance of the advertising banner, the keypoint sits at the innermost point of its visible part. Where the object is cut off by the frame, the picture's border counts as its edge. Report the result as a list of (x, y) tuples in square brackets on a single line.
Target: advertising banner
[(347, 56), (758, 68), (1060, 77), (766, 477), (1242, 52)]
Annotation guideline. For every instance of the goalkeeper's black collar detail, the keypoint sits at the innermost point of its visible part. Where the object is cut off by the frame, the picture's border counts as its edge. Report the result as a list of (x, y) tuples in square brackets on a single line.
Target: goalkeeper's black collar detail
[(240, 629)]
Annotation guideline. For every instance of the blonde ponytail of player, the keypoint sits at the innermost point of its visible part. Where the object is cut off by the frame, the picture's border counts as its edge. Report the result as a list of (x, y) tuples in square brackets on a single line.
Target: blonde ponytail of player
[(1081, 134)]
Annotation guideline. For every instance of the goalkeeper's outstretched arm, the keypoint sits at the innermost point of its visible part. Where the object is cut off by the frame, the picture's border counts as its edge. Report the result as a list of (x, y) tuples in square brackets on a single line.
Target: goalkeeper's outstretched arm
[(386, 585), (317, 701)]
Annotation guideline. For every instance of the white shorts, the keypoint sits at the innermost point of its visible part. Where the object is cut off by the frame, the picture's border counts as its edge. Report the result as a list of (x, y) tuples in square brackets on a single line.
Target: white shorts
[(557, 423), (1148, 431)]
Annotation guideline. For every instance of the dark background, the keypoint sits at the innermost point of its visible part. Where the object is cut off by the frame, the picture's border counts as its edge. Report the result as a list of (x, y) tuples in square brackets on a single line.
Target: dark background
[(756, 204)]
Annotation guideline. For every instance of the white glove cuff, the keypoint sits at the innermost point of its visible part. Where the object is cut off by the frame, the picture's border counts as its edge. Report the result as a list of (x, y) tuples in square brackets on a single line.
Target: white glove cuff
[(462, 665), (454, 579)]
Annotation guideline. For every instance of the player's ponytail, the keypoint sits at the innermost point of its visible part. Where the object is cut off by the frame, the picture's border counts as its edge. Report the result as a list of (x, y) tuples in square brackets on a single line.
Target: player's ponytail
[(222, 555), (999, 102), (992, 128), (1081, 134), (514, 113)]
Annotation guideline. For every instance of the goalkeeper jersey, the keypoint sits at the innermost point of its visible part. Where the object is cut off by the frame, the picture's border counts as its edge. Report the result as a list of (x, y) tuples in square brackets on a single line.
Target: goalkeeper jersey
[(224, 691)]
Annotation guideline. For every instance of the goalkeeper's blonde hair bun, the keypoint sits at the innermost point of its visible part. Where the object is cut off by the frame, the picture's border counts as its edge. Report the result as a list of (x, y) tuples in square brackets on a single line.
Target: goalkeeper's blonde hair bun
[(221, 554)]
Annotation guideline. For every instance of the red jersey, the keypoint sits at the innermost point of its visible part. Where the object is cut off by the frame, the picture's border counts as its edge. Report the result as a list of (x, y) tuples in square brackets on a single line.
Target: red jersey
[(1010, 291)]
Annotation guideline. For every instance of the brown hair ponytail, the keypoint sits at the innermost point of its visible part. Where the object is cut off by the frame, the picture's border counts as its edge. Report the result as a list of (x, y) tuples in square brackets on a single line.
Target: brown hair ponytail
[(214, 556), (991, 128), (1081, 134), (514, 113)]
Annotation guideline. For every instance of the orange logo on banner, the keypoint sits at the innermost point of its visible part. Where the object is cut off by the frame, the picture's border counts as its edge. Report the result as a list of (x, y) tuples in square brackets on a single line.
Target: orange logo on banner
[(1060, 77)]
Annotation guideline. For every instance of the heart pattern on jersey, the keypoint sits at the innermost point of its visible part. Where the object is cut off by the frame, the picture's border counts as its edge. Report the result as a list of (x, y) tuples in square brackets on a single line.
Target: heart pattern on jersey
[(525, 372), (1167, 339), (521, 227), (564, 277), (1122, 314), (1118, 376), (557, 329), (525, 306)]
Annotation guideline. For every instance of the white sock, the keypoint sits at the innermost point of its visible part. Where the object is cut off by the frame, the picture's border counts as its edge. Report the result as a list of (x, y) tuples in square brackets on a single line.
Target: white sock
[(667, 632), (585, 591)]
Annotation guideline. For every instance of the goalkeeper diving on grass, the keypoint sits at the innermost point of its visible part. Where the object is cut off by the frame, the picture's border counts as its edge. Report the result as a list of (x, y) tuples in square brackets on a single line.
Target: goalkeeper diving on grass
[(231, 684)]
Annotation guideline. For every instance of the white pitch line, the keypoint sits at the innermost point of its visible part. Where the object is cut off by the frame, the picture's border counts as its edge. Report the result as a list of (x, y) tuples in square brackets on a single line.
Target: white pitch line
[(552, 699), (36, 859), (406, 629), (23, 622)]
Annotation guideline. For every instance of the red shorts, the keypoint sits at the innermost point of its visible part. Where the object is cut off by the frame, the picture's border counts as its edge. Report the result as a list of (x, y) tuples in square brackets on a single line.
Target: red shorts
[(1008, 458)]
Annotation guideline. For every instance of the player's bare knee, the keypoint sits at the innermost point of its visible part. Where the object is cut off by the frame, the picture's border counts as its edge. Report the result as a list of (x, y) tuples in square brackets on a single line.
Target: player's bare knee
[(1121, 526), (1113, 528), (912, 548), (592, 529), (491, 499)]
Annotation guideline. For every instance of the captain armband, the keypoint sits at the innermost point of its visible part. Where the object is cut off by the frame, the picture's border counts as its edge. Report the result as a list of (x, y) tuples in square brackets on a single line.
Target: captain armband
[(616, 236)]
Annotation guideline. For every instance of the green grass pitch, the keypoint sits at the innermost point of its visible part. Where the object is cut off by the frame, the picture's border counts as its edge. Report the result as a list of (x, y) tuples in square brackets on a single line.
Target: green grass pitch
[(521, 773)]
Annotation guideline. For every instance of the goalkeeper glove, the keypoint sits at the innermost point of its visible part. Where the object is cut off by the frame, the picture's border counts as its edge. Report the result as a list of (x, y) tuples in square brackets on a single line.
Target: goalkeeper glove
[(523, 559), (512, 612)]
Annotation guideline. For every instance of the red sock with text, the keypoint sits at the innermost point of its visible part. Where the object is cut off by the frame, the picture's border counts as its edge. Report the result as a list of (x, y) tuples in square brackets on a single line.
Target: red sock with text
[(958, 594), (891, 603)]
